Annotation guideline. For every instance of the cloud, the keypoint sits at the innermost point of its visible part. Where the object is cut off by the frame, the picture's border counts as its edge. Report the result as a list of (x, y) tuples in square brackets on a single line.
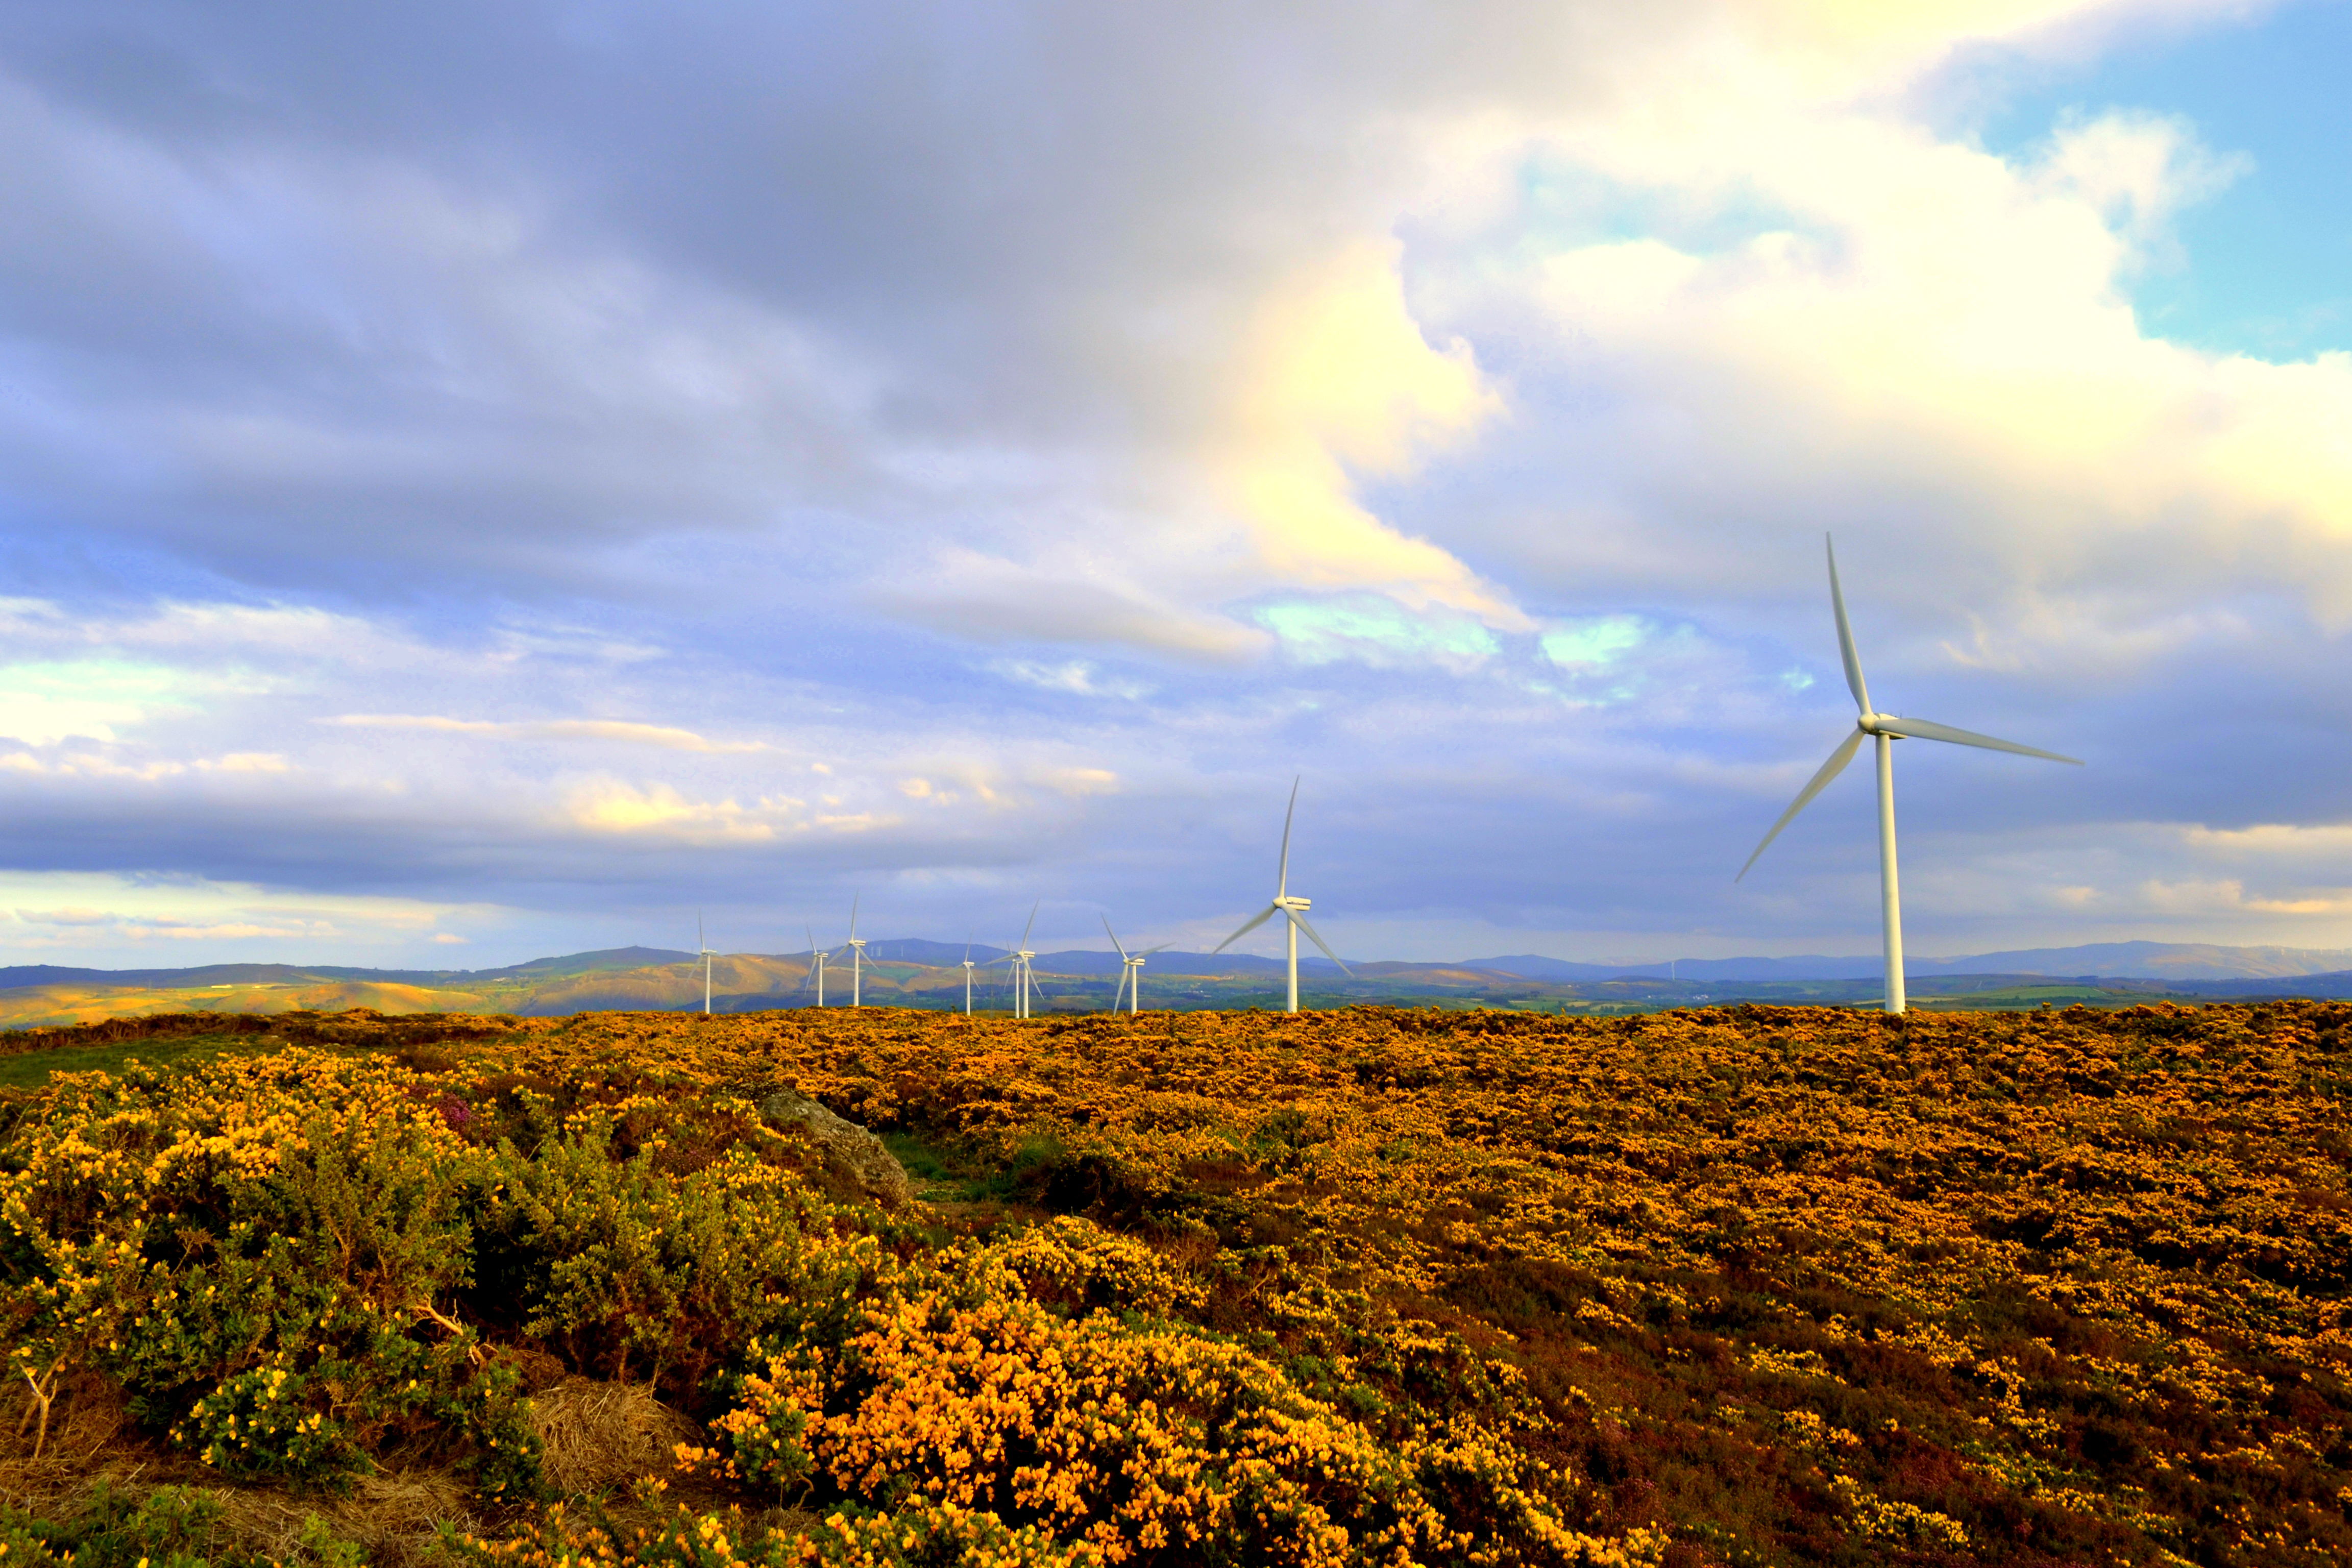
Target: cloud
[(660, 811), (1595, 643), (1918, 343), (41, 704), (663, 736), (1075, 676), (1375, 630), (1337, 380), (2293, 842), (1441, 402), (95, 914), (993, 598)]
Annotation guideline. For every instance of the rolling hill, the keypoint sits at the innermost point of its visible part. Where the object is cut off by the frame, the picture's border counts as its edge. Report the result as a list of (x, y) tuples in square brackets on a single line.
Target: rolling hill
[(912, 972)]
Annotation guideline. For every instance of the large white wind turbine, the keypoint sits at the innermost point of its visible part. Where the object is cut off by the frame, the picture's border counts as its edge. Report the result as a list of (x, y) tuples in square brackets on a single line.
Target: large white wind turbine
[(1885, 729), (967, 977), (702, 951), (1293, 910), (1130, 974)]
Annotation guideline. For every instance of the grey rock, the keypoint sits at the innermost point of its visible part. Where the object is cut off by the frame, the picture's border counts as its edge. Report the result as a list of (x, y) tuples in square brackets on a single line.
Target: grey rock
[(850, 1150)]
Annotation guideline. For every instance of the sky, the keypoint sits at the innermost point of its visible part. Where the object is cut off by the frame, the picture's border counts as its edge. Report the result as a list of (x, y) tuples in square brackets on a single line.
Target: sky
[(479, 482)]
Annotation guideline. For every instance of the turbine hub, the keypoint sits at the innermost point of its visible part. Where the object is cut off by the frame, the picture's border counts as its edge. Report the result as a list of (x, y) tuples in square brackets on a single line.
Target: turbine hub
[(1293, 901)]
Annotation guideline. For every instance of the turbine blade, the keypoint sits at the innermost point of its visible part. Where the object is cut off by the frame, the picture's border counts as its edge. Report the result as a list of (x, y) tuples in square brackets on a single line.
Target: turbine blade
[(1321, 943), (1114, 937), (1830, 770), (1162, 947), (1264, 915), (1853, 681), (853, 915), (1282, 883), (1920, 729), (1032, 924)]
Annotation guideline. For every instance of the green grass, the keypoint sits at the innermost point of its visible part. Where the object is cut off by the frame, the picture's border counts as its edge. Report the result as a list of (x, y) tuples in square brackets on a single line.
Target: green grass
[(2015, 998), (31, 1070)]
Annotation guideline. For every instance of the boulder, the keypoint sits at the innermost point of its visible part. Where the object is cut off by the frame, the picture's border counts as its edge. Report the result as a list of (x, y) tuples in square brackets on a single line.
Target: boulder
[(850, 1152)]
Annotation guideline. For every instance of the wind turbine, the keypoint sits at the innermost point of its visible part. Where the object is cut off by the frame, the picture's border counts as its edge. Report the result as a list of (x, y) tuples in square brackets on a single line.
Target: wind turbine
[(702, 951), (967, 977), (1293, 910), (1885, 729), (1019, 958), (1130, 976), (857, 957), (818, 958)]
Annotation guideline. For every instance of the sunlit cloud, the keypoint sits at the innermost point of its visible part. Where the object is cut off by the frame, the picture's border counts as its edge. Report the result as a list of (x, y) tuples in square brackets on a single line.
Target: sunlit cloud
[(64, 911), (661, 811), (41, 704), (1337, 381), (666, 737)]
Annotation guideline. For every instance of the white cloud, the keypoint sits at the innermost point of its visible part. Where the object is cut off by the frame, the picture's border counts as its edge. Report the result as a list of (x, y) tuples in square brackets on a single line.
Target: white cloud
[(661, 811), (667, 737), (1075, 676), (95, 913), (1926, 346)]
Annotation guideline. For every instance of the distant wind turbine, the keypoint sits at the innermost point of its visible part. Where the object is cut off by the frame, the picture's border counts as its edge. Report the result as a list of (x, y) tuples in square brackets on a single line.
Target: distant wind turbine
[(967, 977), (702, 951), (1885, 729), (818, 959), (1130, 974), (857, 957), (1022, 980), (1293, 910)]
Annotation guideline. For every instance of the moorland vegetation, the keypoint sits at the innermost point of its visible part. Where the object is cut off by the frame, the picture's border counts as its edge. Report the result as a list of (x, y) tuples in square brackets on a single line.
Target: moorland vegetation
[(1747, 1285)]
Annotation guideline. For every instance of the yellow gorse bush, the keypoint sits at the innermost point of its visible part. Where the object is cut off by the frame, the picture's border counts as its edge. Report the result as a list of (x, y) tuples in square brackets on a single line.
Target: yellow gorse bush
[(1741, 1284), (1141, 1437)]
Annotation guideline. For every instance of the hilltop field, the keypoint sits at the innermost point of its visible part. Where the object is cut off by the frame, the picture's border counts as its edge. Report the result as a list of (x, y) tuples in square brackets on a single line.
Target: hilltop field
[(1735, 1286)]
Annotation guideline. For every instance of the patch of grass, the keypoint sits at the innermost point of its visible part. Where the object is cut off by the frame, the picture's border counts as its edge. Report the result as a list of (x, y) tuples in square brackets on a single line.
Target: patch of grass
[(31, 1070), (2022, 998)]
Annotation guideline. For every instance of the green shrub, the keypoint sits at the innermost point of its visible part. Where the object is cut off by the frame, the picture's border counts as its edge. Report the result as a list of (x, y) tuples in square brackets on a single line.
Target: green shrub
[(632, 1271)]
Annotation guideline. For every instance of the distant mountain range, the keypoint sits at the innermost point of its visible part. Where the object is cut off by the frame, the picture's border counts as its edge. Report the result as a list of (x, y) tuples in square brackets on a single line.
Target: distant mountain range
[(911, 972), (2111, 961), (2104, 960)]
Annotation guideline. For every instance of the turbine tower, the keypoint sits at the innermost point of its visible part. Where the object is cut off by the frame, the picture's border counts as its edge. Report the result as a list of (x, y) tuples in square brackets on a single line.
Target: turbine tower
[(818, 958), (702, 951), (1130, 974), (1293, 910), (1023, 982), (1885, 729), (856, 958), (967, 977)]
